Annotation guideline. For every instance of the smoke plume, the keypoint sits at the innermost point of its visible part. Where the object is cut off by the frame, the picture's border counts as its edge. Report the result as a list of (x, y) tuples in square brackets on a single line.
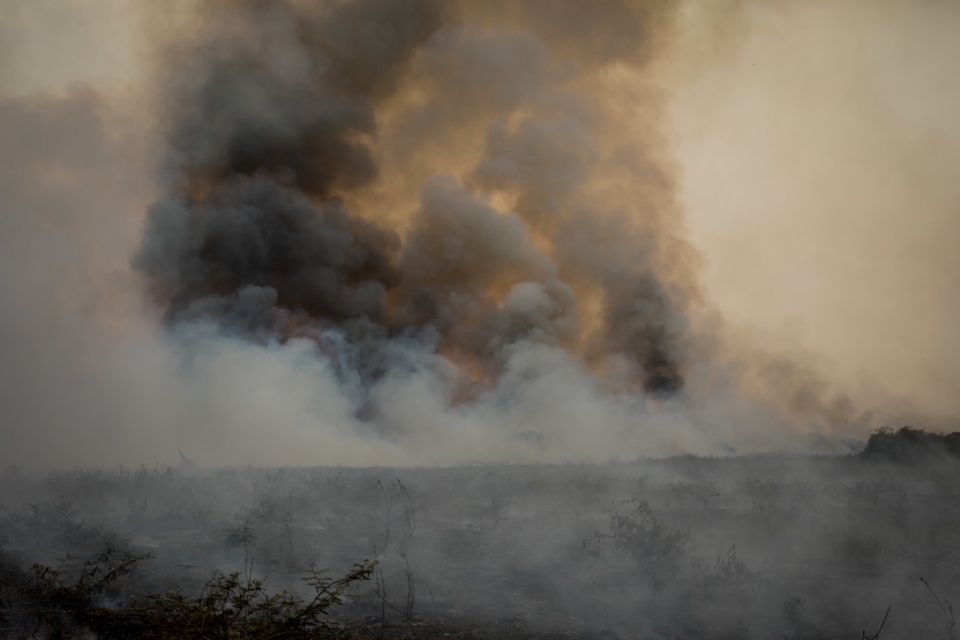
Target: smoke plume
[(422, 232), (554, 236)]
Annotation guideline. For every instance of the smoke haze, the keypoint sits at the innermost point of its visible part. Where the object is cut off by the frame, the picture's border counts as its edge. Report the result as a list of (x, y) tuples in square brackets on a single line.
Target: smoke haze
[(383, 232)]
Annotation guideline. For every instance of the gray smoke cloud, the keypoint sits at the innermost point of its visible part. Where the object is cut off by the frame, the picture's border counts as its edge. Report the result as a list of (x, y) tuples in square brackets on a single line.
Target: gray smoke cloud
[(273, 121), (420, 233)]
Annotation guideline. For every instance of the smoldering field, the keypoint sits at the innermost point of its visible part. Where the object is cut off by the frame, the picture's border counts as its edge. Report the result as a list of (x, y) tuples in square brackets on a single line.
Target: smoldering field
[(406, 236), (749, 547)]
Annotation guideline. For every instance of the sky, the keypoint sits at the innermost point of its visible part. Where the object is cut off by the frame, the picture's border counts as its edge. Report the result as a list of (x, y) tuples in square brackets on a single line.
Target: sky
[(809, 221)]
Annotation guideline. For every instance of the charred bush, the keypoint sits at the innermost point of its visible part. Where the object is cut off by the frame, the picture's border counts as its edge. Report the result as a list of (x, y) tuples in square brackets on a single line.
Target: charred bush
[(71, 601), (910, 445), (655, 548), (64, 601)]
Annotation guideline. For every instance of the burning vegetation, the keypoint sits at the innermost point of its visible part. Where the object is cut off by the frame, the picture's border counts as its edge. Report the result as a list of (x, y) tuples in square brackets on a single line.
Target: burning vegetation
[(427, 232)]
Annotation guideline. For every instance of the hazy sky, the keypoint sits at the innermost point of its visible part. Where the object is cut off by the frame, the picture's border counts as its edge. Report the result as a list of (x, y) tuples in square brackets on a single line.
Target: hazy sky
[(817, 148), (820, 156)]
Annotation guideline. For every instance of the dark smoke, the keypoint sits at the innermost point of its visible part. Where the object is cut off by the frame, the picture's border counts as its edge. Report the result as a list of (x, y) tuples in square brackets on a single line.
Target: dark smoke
[(257, 233), (274, 121)]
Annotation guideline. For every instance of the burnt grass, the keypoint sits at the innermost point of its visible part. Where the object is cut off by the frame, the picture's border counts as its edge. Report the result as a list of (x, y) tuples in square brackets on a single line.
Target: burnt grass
[(739, 547)]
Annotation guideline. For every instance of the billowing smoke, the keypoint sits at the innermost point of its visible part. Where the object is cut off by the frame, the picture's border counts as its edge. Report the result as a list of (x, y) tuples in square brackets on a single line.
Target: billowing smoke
[(430, 232), (550, 228)]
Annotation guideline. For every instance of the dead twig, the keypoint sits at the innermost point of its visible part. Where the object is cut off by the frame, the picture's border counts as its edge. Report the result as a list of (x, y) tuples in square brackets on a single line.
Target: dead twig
[(864, 635)]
